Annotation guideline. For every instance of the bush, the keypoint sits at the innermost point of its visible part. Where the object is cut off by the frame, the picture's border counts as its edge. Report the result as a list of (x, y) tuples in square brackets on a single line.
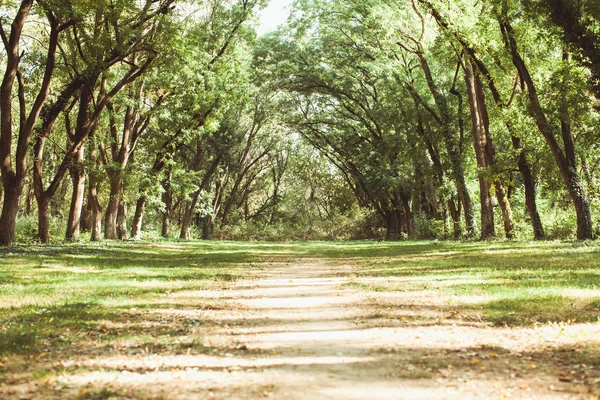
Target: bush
[(27, 229)]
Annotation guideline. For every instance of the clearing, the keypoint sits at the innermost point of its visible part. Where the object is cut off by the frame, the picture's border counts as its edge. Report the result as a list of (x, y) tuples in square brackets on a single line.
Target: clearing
[(300, 321)]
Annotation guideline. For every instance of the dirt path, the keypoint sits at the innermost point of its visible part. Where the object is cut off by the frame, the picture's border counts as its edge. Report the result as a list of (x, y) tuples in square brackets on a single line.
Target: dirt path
[(301, 332)]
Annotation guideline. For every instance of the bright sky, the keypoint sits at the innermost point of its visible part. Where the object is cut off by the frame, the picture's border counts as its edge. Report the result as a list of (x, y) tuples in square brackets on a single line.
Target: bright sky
[(274, 15)]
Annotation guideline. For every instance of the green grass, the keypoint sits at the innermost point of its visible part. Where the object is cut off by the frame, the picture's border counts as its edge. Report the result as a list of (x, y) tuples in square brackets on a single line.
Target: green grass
[(58, 294), (60, 304), (507, 283), (53, 296)]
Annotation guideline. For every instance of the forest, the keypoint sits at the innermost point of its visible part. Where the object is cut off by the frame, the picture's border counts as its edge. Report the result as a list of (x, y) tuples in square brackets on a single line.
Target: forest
[(299, 199), (358, 119)]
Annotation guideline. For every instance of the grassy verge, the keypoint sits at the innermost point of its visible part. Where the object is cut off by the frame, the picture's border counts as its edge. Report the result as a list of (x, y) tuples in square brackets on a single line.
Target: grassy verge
[(53, 296), (63, 307), (507, 283)]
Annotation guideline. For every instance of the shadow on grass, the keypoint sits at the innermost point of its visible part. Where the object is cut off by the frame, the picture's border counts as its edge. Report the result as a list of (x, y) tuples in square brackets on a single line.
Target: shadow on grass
[(115, 309)]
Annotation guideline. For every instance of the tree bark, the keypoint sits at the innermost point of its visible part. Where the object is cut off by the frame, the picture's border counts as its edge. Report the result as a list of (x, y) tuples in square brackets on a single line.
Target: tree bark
[(190, 206), (168, 203), (78, 181), (43, 203), (112, 210), (136, 224), (96, 213), (480, 143), (122, 221), (10, 209)]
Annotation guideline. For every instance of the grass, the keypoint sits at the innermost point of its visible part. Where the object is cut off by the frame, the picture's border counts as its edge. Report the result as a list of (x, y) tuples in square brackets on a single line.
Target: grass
[(46, 289), (507, 283), (84, 300), (57, 294)]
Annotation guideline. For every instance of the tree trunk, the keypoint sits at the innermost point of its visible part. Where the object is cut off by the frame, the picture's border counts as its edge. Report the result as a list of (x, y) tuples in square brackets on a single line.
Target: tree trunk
[(465, 200), (530, 195), (456, 160), (393, 227), (96, 212), (478, 128), (507, 215), (86, 217), (488, 229), (30, 199), (10, 209), (122, 221), (43, 203), (112, 210), (566, 161), (208, 225), (78, 180), (187, 218), (455, 215), (136, 224), (164, 230), (408, 217), (13, 180), (168, 203), (582, 206)]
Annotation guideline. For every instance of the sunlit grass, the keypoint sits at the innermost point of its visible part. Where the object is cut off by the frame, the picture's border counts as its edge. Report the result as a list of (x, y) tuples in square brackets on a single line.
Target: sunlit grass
[(82, 313), (52, 294), (505, 283)]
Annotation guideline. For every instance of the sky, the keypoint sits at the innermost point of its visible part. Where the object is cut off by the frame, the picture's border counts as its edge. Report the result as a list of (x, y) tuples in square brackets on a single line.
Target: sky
[(275, 14)]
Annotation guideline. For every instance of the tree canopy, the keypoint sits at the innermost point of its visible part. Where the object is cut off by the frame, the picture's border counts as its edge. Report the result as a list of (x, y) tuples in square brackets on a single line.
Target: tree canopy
[(355, 119)]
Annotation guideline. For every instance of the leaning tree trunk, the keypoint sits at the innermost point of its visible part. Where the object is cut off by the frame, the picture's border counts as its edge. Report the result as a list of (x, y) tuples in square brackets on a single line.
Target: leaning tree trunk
[(456, 161), (507, 215), (78, 180), (480, 144), (136, 224), (530, 191), (565, 161)]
